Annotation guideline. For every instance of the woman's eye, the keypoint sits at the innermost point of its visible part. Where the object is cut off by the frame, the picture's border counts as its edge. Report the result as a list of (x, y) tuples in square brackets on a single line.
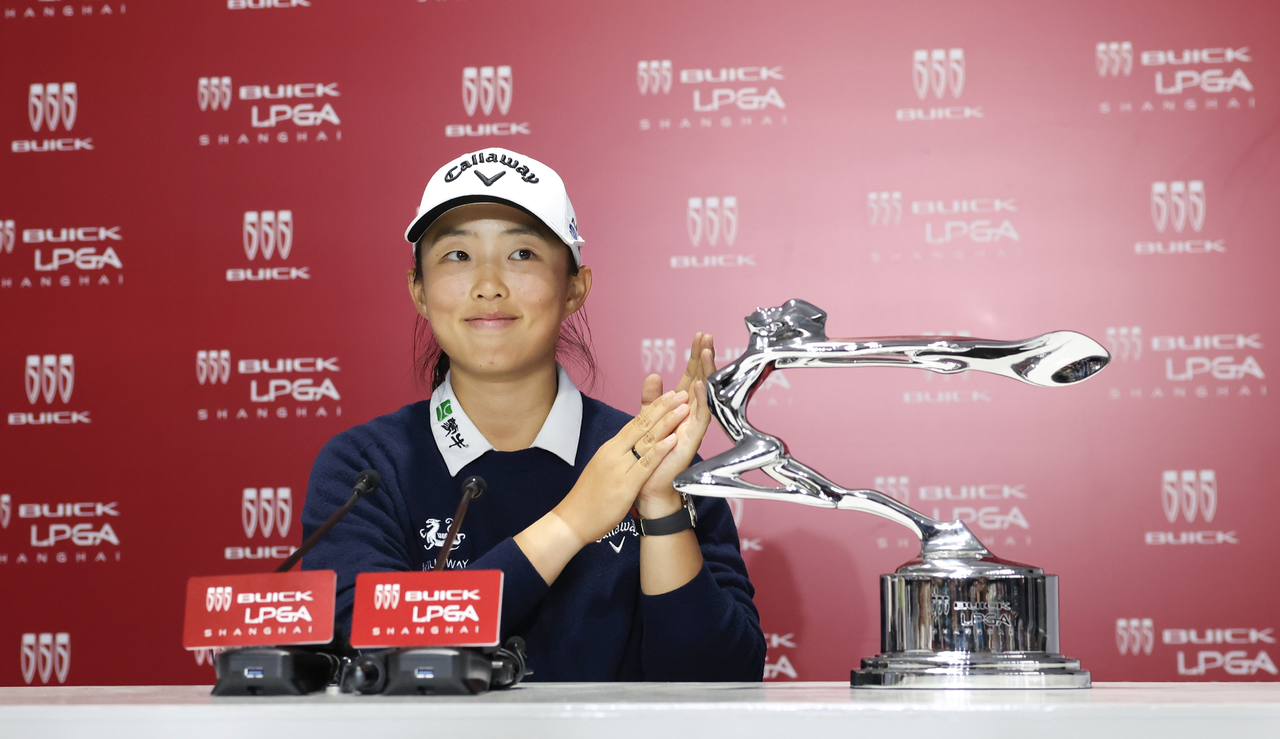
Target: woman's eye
[(522, 254), (457, 255)]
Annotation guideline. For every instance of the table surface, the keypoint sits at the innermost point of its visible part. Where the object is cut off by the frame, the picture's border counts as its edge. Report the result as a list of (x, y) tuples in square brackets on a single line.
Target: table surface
[(657, 710)]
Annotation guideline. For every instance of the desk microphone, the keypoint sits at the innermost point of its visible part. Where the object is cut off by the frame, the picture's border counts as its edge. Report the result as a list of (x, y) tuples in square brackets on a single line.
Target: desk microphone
[(366, 482), (440, 670)]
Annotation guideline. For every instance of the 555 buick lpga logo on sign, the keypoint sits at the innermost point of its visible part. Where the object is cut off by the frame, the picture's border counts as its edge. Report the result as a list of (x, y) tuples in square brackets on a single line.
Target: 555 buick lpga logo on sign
[(297, 112), (427, 609), (271, 380), (257, 610)]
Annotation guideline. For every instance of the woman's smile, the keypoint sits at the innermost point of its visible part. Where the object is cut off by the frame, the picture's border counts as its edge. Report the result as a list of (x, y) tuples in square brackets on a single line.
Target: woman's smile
[(491, 321)]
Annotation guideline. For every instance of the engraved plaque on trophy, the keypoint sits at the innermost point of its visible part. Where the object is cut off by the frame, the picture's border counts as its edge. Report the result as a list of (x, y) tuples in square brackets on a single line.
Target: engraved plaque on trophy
[(956, 616)]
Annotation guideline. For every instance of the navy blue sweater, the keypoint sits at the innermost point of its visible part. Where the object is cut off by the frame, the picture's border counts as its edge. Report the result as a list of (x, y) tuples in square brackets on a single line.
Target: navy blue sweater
[(592, 623)]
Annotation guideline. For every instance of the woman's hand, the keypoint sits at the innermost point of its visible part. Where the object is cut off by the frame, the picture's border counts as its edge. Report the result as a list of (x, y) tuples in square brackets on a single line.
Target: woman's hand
[(610, 482), (657, 497), (606, 489)]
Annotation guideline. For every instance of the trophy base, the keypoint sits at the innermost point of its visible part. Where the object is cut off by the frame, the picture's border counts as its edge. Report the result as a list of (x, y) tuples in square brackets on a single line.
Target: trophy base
[(951, 622), (970, 671)]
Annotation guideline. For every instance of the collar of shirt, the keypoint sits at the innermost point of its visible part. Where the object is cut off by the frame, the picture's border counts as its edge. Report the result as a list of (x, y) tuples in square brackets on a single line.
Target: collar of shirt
[(461, 443)]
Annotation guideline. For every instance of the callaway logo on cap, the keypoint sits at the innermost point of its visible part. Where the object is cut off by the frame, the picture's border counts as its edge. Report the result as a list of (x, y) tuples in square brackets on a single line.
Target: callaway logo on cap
[(500, 176)]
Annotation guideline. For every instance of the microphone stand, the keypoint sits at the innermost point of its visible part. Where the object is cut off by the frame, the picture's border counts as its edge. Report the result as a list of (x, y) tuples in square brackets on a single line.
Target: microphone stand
[(366, 482), (472, 487)]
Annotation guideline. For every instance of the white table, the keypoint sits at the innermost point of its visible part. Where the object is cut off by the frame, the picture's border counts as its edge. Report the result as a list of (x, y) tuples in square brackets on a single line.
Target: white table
[(657, 711)]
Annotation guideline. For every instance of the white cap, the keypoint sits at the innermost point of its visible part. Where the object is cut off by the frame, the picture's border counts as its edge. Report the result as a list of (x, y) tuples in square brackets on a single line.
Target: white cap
[(499, 176)]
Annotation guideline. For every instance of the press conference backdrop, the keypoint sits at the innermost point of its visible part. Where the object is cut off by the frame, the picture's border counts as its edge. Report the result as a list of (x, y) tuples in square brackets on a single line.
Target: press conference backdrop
[(202, 279)]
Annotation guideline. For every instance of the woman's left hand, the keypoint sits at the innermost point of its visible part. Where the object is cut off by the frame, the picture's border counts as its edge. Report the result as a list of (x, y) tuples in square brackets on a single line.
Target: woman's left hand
[(657, 497)]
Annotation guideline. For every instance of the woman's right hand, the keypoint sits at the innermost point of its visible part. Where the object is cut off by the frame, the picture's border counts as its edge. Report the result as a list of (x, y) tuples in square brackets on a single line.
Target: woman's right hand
[(606, 489)]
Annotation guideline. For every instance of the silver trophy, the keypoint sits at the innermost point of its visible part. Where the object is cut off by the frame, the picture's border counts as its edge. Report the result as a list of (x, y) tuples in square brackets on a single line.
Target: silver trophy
[(957, 616)]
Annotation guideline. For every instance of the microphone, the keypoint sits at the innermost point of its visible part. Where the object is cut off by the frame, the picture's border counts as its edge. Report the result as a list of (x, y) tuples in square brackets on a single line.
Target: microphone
[(366, 482), (472, 487)]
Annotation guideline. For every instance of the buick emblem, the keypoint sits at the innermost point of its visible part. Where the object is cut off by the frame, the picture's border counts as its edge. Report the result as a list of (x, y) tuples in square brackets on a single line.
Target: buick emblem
[(47, 655), (485, 87), (266, 509), (52, 103), (213, 367), (50, 375), (214, 93), (712, 217), (268, 232), (938, 70)]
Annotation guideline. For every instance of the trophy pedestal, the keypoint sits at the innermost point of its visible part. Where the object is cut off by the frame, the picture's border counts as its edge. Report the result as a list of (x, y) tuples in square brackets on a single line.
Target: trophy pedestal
[(969, 623)]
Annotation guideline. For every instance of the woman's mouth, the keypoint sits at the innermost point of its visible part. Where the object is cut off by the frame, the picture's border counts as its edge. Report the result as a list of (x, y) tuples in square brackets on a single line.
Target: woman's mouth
[(491, 320)]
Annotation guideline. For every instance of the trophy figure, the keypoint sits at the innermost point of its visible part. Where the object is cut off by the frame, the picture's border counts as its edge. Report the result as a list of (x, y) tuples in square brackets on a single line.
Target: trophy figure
[(956, 616)]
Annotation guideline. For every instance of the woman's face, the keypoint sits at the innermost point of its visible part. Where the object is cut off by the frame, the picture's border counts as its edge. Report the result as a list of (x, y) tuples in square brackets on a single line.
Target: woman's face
[(495, 286)]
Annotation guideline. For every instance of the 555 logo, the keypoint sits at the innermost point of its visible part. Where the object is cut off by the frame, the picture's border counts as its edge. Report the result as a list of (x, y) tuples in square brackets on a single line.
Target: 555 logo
[(485, 88), (53, 103), (218, 598), (937, 71), (1189, 492), (214, 93), (265, 509), (386, 596), (1135, 636), (50, 375), (1178, 204), (1114, 58), (712, 217), (654, 77), (47, 655), (268, 231), (658, 355)]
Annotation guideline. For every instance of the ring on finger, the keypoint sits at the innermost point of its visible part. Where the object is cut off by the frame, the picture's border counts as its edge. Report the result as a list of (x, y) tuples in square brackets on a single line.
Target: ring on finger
[(633, 451)]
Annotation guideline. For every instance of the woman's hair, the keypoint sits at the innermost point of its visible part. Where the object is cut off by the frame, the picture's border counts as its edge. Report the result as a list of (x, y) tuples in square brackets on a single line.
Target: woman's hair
[(574, 346)]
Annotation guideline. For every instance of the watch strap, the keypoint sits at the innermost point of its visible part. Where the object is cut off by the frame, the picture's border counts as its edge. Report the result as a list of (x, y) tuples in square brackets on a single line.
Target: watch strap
[(681, 520)]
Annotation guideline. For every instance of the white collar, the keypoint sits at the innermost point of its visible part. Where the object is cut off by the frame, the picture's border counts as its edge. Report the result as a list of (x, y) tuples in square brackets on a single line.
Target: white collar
[(461, 443)]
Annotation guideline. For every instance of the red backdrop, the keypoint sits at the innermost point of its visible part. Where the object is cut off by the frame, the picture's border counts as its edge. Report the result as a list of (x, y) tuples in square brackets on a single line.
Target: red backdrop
[(992, 169)]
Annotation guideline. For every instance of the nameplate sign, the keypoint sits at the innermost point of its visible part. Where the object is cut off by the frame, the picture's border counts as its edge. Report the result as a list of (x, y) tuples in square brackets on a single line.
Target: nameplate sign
[(260, 610), (453, 608)]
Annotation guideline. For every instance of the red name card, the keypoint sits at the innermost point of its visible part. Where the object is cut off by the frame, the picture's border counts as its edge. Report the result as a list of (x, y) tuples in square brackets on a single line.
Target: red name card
[(260, 610), (453, 608)]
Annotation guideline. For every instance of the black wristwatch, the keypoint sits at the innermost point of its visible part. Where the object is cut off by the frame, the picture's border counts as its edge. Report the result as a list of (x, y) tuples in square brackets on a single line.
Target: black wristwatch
[(682, 520)]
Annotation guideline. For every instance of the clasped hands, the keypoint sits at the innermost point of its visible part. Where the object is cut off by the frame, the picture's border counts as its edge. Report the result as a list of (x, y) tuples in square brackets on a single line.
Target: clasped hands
[(664, 435)]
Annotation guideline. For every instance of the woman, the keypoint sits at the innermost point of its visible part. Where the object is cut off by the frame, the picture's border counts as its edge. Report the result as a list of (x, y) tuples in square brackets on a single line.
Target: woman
[(596, 593)]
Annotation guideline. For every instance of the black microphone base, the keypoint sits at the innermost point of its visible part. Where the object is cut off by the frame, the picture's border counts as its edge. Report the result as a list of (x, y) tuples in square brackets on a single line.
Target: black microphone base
[(273, 671), (434, 671)]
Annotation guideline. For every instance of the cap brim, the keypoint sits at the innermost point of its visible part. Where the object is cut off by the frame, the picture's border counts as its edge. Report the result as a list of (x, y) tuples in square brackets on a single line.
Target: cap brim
[(424, 221)]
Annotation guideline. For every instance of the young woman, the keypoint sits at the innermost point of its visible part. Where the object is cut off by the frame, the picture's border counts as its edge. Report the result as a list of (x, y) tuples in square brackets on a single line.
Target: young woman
[(596, 593)]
